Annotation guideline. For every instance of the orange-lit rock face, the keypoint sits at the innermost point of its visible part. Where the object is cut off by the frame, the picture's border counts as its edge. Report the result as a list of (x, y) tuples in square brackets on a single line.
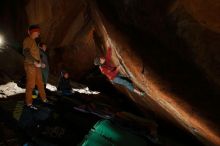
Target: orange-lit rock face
[(68, 31), (205, 12), (169, 48), (176, 87)]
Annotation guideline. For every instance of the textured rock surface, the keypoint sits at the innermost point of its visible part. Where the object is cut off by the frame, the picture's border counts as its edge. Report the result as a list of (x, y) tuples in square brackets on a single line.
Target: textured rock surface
[(169, 48), (67, 30), (168, 62)]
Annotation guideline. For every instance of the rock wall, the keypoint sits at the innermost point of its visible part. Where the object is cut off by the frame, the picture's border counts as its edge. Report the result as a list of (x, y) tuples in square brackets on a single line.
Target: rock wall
[(169, 60), (12, 30), (68, 31), (169, 49)]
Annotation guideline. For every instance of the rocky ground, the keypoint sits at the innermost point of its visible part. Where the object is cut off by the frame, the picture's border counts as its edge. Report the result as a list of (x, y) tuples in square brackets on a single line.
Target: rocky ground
[(69, 126)]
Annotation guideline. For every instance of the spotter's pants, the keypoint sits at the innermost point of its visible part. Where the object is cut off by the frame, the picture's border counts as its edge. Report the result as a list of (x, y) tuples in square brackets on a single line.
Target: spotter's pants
[(33, 77)]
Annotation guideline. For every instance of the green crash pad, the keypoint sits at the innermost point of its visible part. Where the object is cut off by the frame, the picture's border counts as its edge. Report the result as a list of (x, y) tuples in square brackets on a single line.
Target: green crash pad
[(105, 133)]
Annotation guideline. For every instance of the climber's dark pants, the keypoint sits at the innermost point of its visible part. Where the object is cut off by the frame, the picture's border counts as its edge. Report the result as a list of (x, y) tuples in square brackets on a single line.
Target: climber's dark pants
[(121, 80)]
